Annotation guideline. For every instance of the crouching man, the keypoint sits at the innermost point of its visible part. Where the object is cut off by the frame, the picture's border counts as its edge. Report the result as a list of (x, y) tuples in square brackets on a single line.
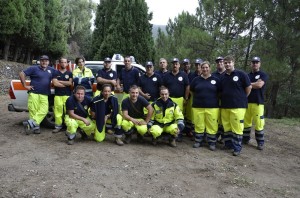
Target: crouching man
[(104, 109), (77, 115), (167, 117), (133, 114)]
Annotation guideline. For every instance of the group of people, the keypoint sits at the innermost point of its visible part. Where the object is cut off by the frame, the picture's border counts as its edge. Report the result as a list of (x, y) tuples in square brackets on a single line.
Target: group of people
[(163, 104)]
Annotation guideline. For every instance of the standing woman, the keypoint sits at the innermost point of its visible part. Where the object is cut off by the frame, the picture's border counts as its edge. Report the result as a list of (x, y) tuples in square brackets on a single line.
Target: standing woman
[(205, 90), (104, 109)]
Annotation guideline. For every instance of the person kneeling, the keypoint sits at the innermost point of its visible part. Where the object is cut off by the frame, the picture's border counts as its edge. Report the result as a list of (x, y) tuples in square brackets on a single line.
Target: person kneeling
[(77, 115), (133, 114), (167, 117), (104, 109)]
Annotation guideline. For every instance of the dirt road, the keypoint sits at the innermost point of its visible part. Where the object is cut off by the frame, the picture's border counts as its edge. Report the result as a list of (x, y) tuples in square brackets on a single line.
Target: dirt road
[(45, 166)]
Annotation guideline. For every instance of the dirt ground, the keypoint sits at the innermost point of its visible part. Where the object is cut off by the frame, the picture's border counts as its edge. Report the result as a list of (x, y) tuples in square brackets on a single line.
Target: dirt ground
[(45, 166)]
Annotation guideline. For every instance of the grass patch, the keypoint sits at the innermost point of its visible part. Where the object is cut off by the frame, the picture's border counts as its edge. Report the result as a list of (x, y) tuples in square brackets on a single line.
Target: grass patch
[(285, 121)]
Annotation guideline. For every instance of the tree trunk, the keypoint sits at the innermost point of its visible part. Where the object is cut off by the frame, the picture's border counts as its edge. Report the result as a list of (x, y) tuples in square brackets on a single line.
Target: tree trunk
[(249, 44), (6, 49), (272, 101), (16, 54), (28, 57)]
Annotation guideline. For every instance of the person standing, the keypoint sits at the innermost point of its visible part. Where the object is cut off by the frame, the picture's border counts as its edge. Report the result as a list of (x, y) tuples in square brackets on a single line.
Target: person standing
[(77, 116), (205, 89), (255, 110), (38, 91), (83, 76), (235, 88), (219, 73), (149, 83), (133, 114), (220, 67), (104, 109), (129, 76), (107, 75), (163, 67), (178, 84), (167, 117), (62, 81)]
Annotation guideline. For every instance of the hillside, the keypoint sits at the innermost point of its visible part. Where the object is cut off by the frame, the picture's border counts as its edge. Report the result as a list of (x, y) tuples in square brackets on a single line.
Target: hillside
[(155, 30)]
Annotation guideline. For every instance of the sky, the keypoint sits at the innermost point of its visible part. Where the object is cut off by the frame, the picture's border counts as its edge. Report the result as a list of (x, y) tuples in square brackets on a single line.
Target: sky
[(165, 9)]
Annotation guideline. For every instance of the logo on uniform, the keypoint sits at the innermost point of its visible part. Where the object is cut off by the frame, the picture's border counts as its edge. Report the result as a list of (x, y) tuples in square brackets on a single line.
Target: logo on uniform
[(213, 82), (235, 78), (49, 71), (180, 78), (257, 77), (111, 75), (85, 107), (158, 111), (66, 76), (154, 79)]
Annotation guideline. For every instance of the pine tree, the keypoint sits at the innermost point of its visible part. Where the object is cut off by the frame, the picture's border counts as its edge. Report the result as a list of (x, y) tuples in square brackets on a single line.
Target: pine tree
[(130, 32), (12, 19)]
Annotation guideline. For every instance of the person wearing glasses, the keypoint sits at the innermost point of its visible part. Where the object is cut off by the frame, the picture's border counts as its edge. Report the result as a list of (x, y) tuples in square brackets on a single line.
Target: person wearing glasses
[(255, 110), (83, 76), (219, 73)]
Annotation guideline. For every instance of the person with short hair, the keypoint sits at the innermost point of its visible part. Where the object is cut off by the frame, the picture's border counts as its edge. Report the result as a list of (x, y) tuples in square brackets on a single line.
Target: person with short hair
[(38, 92), (129, 76), (167, 117), (235, 88), (77, 116), (205, 89), (104, 109), (255, 110), (133, 114), (83, 76), (62, 81), (163, 67)]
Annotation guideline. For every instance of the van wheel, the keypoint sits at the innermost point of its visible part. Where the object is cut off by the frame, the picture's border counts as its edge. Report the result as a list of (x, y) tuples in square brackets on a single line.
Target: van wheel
[(49, 120)]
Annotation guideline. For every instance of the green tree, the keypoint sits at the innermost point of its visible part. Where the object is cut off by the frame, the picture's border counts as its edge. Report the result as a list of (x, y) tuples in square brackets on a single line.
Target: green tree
[(32, 33), (78, 15), (279, 45), (12, 19), (130, 32), (104, 16), (55, 42)]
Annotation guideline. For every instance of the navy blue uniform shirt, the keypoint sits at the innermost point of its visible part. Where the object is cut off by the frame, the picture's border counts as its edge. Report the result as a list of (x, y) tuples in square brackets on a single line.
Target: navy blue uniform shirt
[(176, 84), (135, 110), (257, 95), (233, 90), (205, 92), (129, 77), (217, 74), (81, 110), (63, 91), (193, 75), (150, 85), (107, 74), (160, 73), (40, 79)]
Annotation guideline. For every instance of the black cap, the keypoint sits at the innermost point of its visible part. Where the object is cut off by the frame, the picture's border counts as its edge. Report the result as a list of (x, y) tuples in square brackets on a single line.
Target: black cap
[(44, 57)]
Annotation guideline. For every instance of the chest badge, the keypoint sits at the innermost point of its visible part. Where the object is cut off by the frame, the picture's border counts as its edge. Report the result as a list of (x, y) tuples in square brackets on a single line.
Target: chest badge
[(213, 82), (235, 78), (180, 78)]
